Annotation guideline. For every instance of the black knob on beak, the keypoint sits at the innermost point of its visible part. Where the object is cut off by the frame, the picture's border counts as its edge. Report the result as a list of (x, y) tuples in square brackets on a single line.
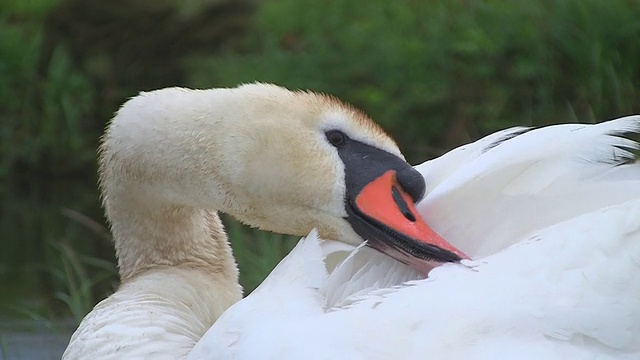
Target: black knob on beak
[(412, 182)]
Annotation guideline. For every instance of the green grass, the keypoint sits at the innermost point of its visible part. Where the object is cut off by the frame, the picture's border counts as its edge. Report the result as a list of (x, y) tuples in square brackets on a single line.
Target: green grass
[(32, 9), (256, 252), (434, 73), (78, 295), (45, 106), (3, 347), (80, 277), (438, 73)]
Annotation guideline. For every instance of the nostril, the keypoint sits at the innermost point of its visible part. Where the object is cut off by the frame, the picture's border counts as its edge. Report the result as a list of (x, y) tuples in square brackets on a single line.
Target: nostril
[(402, 205)]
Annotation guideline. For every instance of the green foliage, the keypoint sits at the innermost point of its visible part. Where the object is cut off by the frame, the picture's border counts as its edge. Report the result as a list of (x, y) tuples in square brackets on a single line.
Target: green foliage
[(436, 73), (43, 113), (257, 252), (3, 347), (78, 295), (33, 9)]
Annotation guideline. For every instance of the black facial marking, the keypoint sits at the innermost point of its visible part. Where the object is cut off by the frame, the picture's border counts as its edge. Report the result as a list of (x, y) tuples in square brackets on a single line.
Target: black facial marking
[(402, 205), (364, 163)]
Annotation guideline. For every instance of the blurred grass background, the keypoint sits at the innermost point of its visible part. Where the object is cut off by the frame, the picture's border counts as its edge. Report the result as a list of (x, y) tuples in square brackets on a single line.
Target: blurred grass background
[(434, 73)]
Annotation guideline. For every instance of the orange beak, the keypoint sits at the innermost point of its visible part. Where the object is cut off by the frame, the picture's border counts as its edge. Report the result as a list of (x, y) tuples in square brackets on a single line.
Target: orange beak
[(383, 203)]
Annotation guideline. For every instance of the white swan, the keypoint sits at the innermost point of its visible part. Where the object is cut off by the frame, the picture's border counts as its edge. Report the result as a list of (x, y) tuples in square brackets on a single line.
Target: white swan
[(568, 196), (279, 160)]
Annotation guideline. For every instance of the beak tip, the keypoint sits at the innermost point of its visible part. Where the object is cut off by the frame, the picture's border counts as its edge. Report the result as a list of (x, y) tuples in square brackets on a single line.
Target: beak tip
[(384, 212)]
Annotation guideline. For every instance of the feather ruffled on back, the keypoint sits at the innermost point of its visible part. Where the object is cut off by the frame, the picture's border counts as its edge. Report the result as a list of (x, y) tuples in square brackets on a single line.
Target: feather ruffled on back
[(567, 196), (533, 180)]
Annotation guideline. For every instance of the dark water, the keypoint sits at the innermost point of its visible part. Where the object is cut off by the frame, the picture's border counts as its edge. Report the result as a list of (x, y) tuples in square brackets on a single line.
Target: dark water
[(26, 340)]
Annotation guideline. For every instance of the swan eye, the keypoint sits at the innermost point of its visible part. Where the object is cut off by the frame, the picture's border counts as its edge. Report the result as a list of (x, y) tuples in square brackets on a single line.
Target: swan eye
[(336, 137)]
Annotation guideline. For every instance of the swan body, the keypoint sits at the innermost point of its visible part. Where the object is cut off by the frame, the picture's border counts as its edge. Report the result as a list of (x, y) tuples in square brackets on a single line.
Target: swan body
[(144, 320), (280, 160), (547, 297), (522, 180), (551, 217)]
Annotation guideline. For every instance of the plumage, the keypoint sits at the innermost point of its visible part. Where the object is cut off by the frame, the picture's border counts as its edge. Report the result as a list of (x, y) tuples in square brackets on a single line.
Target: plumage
[(530, 181), (172, 158), (551, 217)]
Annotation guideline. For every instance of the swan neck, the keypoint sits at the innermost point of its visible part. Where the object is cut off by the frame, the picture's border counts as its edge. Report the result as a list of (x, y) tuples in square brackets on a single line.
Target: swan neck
[(168, 236), (160, 176)]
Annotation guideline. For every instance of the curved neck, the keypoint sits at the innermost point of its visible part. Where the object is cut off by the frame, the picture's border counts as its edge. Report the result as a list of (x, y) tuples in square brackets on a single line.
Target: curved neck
[(157, 197), (167, 236)]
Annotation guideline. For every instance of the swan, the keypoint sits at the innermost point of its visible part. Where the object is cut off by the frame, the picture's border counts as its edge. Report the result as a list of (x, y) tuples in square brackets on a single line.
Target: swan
[(551, 217), (280, 160)]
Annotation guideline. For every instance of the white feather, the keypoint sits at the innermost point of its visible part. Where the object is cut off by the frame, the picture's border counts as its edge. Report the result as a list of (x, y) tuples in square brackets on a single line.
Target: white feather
[(558, 207), (536, 179), (548, 297), (143, 320)]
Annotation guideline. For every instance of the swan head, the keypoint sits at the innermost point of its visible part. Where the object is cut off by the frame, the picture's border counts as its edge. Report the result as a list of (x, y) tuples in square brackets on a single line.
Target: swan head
[(280, 160)]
